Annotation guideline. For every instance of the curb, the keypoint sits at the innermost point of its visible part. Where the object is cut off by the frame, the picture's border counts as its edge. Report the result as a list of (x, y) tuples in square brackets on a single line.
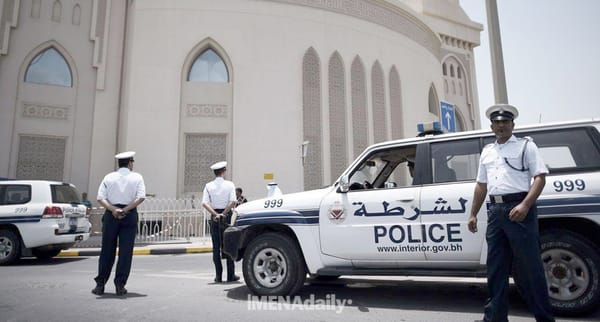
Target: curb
[(138, 251)]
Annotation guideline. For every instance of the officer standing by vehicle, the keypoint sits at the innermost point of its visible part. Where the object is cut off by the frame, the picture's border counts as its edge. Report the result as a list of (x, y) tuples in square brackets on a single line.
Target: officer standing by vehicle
[(505, 171), (218, 199), (119, 193)]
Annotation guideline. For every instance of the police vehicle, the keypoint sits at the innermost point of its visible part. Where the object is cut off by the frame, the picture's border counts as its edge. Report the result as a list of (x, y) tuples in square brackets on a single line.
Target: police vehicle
[(40, 218), (381, 217)]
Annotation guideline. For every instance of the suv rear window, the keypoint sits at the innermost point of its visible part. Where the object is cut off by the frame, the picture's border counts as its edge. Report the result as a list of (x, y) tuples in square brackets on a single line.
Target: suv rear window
[(64, 194), (15, 194)]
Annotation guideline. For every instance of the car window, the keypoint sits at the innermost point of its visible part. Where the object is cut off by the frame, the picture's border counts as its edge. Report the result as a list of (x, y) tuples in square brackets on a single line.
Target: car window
[(455, 160), (64, 194), (568, 149), (384, 169), (15, 194)]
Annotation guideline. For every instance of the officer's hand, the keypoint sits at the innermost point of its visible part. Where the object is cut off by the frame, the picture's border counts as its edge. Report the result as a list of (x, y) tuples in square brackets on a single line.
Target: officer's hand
[(118, 213), (472, 224), (518, 213)]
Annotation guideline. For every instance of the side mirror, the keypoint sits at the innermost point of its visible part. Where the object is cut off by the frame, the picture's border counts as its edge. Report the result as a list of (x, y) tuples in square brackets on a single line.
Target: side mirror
[(344, 184)]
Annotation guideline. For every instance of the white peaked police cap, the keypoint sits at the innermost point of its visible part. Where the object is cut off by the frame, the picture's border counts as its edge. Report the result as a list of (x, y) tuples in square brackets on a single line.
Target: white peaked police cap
[(501, 112), (125, 155), (219, 165)]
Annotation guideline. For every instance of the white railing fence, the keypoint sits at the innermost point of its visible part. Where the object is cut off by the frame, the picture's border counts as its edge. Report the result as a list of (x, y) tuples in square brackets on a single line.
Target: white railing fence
[(162, 220)]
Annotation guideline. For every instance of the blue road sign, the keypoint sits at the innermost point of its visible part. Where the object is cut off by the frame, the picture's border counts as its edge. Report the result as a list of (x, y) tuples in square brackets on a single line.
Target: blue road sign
[(447, 116)]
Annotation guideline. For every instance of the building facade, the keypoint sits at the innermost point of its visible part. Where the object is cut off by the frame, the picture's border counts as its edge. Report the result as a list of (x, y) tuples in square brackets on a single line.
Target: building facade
[(289, 91)]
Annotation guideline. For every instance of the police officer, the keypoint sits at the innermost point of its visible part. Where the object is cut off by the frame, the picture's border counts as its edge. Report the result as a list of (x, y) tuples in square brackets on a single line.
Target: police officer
[(505, 171), (119, 193), (218, 199)]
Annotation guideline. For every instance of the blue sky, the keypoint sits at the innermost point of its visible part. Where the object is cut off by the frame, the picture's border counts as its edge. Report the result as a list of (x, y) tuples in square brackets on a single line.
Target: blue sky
[(551, 54)]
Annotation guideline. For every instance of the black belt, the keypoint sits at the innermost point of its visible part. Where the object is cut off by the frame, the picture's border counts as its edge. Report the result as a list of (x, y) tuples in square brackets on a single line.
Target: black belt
[(511, 197)]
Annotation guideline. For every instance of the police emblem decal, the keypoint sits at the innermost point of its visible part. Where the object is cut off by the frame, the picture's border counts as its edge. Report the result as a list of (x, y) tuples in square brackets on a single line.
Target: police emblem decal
[(337, 213)]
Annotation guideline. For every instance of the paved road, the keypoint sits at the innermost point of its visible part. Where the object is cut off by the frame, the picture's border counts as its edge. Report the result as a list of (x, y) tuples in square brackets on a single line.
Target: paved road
[(180, 288)]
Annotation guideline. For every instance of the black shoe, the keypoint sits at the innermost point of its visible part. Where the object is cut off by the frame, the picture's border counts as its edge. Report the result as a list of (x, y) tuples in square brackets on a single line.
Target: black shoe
[(98, 290), (121, 290), (218, 279), (233, 278)]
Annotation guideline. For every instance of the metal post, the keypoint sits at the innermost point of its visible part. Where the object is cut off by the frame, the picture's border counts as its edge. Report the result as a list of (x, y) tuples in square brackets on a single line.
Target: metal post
[(501, 97)]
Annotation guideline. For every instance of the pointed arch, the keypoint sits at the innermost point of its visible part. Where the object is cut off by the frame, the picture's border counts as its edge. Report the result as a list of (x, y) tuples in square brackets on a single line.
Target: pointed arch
[(208, 62), (378, 97), (433, 101), (76, 17), (459, 119), (396, 104), (359, 106), (57, 11), (338, 146), (49, 67), (311, 120)]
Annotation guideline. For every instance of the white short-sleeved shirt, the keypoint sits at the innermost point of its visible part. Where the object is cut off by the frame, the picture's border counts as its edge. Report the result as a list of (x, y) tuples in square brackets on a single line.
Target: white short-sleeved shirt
[(219, 193), (500, 178), (122, 187)]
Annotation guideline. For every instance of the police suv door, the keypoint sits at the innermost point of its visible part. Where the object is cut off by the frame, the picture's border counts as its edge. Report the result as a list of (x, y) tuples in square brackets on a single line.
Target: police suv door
[(374, 224), (446, 204)]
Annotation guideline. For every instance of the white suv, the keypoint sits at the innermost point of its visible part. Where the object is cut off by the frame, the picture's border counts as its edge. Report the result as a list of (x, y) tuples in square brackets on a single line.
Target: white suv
[(40, 218)]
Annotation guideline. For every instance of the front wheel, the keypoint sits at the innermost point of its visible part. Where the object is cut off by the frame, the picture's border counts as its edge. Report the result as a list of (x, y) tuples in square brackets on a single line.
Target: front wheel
[(273, 265), (572, 267)]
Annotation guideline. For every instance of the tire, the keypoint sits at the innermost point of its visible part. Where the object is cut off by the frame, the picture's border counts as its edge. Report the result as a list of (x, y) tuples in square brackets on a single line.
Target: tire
[(45, 253), (572, 267), (273, 265), (10, 247)]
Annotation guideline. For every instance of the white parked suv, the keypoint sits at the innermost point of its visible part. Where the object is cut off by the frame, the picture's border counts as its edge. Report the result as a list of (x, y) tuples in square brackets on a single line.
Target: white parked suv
[(380, 218), (40, 218)]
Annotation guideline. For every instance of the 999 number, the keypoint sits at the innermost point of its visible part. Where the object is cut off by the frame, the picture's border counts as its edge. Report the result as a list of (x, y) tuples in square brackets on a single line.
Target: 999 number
[(569, 185), (273, 203)]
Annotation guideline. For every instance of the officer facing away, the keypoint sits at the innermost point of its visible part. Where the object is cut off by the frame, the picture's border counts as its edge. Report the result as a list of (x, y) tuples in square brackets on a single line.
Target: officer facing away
[(218, 199), (505, 171), (119, 193)]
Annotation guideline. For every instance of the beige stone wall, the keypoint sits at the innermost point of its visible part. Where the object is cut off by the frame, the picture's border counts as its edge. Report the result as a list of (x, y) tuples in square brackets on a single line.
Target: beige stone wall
[(130, 60)]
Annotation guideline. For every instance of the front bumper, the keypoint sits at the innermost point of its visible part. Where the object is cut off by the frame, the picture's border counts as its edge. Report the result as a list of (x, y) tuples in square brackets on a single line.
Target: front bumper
[(231, 241)]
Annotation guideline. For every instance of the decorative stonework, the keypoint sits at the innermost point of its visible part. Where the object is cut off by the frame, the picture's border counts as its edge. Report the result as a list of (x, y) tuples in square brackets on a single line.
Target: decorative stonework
[(457, 43), (396, 104), (41, 158), (207, 110), (33, 110), (378, 96), (338, 146), (359, 106), (202, 150), (311, 118), (381, 13)]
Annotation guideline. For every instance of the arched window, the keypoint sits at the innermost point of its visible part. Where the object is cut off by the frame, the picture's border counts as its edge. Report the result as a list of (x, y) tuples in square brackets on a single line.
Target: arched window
[(49, 67), (434, 102), (459, 72), (209, 67), (444, 69), (451, 70)]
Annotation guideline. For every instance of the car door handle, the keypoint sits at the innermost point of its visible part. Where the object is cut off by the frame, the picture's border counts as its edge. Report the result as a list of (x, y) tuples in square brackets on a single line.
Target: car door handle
[(406, 199)]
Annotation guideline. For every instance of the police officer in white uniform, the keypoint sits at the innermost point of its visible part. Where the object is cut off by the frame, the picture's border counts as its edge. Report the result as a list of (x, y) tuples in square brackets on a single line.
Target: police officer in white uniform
[(119, 193), (505, 171), (218, 199)]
